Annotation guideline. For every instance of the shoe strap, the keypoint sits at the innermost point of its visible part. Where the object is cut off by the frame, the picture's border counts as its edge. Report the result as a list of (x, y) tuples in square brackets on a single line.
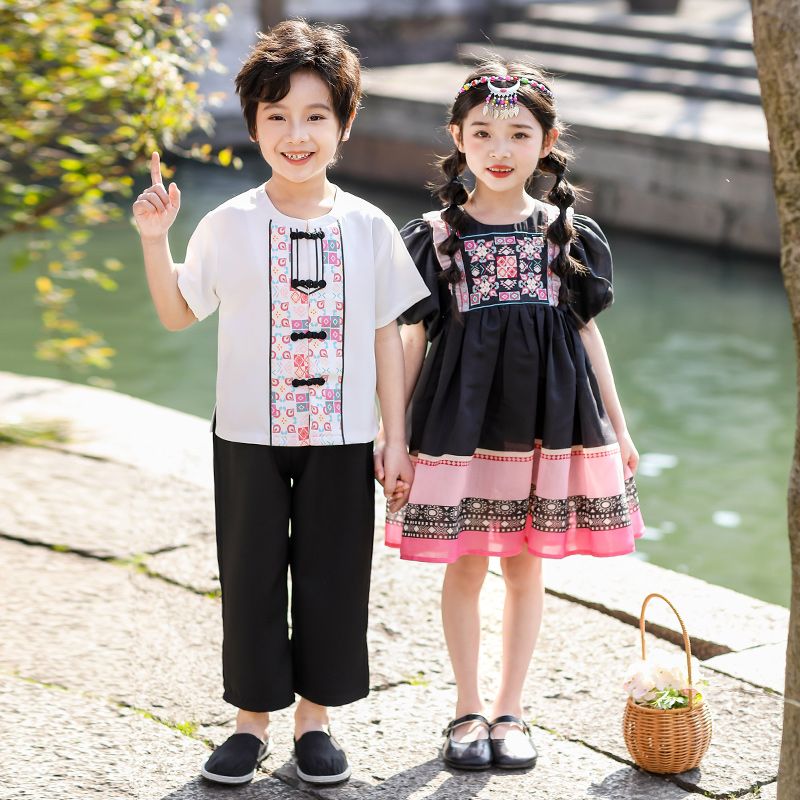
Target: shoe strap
[(510, 719), (463, 721)]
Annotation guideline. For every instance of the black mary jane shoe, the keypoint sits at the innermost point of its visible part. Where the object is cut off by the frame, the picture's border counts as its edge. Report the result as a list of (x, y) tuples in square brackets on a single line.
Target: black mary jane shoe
[(476, 754), (320, 758), (236, 759), (520, 753)]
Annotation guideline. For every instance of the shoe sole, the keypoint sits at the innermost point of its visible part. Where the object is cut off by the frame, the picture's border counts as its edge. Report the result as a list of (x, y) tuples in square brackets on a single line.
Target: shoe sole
[(342, 776), (516, 766), (457, 765), (232, 780), (229, 780)]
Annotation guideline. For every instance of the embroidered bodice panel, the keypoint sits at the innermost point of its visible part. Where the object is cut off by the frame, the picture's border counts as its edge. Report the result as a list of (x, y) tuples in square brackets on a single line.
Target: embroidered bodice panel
[(505, 267), (501, 267)]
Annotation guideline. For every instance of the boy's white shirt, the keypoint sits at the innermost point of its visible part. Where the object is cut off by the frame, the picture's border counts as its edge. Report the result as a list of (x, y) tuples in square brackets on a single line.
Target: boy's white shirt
[(229, 265)]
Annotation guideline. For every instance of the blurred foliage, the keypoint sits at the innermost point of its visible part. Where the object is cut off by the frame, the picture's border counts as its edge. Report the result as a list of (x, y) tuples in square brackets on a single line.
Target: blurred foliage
[(89, 88), (41, 432)]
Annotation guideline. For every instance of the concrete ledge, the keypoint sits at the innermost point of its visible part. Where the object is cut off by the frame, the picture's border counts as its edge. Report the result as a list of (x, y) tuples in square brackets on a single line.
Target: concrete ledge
[(101, 509), (762, 666), (165, 442), (719, 621)]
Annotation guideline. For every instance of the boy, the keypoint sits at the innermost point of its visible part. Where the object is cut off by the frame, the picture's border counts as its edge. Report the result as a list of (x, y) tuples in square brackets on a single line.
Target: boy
[(309, 281)]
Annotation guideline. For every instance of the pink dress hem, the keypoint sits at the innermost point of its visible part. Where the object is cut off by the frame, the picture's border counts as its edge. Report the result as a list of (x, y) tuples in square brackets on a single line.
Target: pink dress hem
[(575, 541)]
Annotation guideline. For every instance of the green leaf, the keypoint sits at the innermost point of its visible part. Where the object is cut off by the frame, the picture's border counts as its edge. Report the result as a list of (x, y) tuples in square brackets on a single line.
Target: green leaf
[(20, 261)]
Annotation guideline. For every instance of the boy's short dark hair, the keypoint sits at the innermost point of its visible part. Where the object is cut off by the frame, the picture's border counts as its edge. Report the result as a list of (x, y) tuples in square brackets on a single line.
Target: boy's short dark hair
[(294, 45)]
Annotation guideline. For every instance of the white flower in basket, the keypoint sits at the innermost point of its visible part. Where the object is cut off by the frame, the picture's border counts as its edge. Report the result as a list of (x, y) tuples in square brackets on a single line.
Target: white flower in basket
[(661, 681)]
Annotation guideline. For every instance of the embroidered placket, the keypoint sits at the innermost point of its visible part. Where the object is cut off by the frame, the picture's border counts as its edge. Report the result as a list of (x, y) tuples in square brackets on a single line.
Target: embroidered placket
[(307, 353)]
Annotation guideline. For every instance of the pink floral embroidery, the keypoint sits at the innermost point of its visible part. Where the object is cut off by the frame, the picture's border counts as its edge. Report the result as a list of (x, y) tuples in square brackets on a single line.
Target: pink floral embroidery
[(506, 268), (306, 415)]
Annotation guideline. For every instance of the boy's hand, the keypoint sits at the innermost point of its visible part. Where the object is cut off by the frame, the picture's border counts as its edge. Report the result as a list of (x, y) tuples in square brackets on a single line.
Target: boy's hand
[(155, 208), (398, 476), (377, 456)]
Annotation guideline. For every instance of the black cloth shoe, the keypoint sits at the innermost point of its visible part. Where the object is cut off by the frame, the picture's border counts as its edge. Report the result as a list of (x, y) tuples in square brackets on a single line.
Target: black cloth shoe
[(236, 759), (320, 758), (519, 753), (466, 755)]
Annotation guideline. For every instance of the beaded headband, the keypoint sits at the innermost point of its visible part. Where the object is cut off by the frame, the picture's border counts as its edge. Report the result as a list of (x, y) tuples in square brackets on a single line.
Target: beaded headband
[(501, 102)]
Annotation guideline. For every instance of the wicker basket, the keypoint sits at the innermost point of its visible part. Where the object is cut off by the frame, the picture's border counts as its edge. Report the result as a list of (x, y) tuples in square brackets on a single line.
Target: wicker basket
[(667, 740)]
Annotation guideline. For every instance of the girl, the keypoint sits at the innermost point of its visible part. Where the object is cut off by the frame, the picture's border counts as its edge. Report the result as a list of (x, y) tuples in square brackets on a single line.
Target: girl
[(520, 445), (309, 281)]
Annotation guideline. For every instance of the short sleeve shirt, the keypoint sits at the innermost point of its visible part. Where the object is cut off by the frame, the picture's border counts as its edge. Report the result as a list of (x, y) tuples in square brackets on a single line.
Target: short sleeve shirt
[(299, 302)]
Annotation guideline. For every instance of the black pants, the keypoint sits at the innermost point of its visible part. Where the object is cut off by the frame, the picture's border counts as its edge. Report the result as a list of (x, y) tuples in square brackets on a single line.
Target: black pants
[(327, 494)]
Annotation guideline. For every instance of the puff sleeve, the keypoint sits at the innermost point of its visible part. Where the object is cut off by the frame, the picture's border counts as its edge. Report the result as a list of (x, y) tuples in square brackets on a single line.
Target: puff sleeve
[(197, 275), (418, 238), (591, 291), (397, 283)]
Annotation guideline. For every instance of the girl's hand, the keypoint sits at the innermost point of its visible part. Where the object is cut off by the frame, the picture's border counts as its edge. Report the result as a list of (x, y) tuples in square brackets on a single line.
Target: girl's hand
[(398, 475), (155, 208), (630, 455), (400, 497)]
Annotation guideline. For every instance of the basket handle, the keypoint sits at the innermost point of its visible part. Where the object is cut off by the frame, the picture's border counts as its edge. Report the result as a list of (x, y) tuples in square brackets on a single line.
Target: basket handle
[(686, 645)]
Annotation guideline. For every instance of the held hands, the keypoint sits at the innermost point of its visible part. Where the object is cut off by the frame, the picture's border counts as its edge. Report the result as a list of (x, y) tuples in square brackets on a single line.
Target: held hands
[(155, 208), (394, 471)]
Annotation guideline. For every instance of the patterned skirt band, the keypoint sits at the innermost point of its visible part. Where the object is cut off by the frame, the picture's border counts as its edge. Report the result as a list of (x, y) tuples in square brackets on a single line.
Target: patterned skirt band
[(555, 503)]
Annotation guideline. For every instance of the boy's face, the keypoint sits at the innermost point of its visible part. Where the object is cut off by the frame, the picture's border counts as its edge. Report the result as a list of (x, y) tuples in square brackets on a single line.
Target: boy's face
[(298, 135)]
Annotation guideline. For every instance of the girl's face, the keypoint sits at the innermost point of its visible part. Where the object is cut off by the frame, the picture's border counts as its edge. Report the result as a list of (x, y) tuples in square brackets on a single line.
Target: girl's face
[(298, 135), (502, 153)]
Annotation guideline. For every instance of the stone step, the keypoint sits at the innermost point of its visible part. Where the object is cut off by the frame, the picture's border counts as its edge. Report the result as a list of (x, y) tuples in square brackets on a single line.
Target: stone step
[(619, 73), (544, 37), (603, 18), (98, 508), (408, 103)]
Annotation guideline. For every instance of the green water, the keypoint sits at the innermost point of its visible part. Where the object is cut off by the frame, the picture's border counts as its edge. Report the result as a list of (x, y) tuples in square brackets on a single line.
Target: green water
[(700, 343)]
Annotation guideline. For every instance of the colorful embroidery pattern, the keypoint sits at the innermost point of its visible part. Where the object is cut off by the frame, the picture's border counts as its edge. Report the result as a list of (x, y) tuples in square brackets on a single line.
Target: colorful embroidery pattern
[(306, 414), (505, 268), (472, 514), (478, 514), (326, 315)]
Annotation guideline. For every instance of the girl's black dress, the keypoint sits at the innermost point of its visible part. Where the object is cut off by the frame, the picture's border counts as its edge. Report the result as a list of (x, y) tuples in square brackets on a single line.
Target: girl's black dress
[(510, 439)]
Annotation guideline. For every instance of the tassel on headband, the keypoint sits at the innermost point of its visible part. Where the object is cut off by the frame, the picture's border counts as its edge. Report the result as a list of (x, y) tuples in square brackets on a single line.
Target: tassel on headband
[(501, 102)]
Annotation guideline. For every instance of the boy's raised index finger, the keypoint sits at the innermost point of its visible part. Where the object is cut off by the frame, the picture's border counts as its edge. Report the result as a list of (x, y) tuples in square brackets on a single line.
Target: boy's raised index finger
[(155, 169)]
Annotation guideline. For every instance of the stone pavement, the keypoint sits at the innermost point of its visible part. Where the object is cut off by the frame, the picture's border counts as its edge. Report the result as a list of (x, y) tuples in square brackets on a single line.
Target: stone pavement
[(109, 660)]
